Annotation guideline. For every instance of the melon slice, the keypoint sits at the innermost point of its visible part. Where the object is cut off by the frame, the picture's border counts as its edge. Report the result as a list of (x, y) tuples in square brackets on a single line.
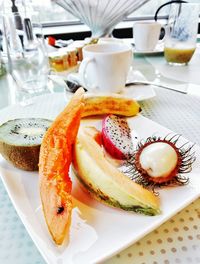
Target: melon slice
[(105, 182)]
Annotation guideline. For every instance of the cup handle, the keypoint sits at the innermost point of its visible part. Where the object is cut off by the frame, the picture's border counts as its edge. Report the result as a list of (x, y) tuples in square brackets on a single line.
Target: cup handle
[(82, 72), (158, 10)]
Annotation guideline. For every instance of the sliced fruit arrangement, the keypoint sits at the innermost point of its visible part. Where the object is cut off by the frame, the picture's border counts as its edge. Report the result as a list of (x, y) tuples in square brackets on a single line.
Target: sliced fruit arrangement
[(157, 161), (115, 104), (116, 137), (20, 141), (105, 182), (54, 162)]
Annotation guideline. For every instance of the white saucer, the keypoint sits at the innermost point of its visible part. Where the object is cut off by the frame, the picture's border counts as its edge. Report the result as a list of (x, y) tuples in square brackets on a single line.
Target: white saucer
[(159, 49), (137, 92)]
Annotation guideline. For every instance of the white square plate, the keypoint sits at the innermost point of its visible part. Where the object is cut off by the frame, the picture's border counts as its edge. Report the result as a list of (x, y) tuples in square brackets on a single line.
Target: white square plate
[(97, 231)]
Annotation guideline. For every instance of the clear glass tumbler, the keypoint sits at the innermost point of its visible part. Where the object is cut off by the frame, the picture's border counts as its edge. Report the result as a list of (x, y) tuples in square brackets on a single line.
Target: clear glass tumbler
[(181, 33), (27, 57)]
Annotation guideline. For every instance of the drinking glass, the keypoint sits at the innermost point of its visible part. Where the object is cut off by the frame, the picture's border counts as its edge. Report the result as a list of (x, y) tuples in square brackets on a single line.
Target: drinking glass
[(2, 67), (181, 33), (25, 49)]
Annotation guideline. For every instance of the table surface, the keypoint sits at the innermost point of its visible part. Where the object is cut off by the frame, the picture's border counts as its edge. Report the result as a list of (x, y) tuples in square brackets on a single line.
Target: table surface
[(177, 240)]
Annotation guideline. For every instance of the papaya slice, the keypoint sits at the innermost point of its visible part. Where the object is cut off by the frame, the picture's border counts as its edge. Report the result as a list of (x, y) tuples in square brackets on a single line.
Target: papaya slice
[(54, 161)]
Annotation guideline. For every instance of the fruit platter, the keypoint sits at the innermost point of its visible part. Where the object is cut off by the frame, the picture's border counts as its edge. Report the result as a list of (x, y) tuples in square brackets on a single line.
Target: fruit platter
[(107, 176)]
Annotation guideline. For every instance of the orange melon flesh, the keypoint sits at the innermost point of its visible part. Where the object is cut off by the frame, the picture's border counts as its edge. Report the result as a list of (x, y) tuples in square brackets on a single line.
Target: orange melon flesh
[(54, 161)]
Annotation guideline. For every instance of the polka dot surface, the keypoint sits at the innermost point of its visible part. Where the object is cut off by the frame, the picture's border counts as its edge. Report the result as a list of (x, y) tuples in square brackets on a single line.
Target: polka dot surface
[(16, 247), (164, 245)]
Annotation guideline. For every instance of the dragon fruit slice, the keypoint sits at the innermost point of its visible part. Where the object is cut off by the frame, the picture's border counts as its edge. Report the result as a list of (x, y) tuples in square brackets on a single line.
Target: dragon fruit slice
[(116, 137)]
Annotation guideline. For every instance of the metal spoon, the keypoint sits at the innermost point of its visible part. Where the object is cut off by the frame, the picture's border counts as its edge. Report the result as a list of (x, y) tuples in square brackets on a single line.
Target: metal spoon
[(155, 84), (72, 86)]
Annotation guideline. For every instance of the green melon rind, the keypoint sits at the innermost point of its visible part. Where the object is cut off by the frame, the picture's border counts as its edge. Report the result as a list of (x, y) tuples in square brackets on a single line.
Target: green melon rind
[(100, 196)]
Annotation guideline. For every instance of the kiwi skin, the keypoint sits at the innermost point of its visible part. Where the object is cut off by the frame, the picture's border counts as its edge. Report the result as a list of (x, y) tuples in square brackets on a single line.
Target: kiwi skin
[(22, 157)]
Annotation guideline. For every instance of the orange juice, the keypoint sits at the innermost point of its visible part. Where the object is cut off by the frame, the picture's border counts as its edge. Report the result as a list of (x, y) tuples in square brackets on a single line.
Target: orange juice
[(176, 55)]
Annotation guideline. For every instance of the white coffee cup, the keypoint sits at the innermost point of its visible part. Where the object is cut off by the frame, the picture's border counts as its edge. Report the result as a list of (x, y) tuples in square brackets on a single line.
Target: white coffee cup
[(146, 35), (105, 67)]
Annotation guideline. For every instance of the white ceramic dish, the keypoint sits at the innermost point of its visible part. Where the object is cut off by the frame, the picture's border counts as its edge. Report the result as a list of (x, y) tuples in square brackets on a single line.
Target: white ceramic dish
[(97, 231), (159, 49), (138, 92)]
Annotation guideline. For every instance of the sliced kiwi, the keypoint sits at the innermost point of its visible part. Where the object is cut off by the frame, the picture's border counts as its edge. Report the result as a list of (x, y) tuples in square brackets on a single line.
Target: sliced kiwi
[(20, 141)]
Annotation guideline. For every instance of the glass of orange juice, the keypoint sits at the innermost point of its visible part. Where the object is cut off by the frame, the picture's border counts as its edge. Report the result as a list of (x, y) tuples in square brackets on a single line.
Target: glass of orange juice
[(181, 33)]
